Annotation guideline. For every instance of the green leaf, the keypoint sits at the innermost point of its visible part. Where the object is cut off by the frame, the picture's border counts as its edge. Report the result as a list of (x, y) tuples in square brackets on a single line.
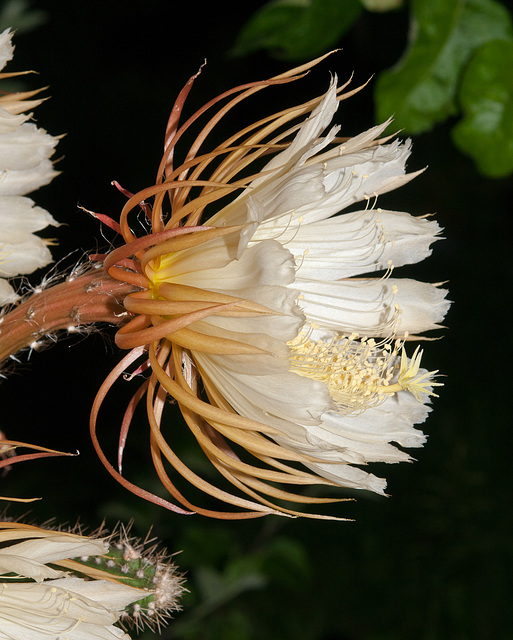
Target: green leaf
[(421, 90), (297, 29), (486, 95), (381, 6)]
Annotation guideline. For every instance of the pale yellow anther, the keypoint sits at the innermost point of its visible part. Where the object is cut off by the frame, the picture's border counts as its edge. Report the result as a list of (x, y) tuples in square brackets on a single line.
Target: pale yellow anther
[(353, 369)]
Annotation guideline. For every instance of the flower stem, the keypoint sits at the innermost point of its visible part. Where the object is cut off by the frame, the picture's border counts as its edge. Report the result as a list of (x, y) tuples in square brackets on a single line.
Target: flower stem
[(78, 301)]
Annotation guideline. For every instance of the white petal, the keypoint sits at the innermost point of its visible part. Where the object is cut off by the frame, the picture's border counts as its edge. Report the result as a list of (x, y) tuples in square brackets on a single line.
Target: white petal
[(112, 595), (34, 611), (359, 243), (19, 217), (26, 180), (27, 558), (58, 546), (319, 190), (25, 147), (308, 134), (423, 305), (304, 144), (362, 140), (351, 477), (284, 396), (267, 263), (11, 121), (352, 451), (12, 563), (24, 257), (367, 307), (391, 421), (283, 326), (7, 293), (6, 48)]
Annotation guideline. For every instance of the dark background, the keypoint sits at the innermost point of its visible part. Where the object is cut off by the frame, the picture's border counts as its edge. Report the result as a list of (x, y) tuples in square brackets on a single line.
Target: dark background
[(431, 562)]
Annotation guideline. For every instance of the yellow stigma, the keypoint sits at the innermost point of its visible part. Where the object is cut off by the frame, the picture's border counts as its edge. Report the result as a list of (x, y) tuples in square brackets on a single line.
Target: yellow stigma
[(409, 380), (359, 372)]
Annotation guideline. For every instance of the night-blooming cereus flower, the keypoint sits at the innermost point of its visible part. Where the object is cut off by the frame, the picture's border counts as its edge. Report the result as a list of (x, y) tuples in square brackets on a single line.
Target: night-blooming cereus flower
[(56, 584), (25, 165), (277, 325)]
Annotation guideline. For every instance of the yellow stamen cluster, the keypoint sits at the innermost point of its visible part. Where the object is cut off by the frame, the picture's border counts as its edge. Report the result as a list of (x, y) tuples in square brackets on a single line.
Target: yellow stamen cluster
[(359, 371)]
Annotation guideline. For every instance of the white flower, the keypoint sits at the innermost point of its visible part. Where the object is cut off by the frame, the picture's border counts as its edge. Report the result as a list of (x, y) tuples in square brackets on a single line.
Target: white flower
[(25, 165), (274, 304), (40, 598)]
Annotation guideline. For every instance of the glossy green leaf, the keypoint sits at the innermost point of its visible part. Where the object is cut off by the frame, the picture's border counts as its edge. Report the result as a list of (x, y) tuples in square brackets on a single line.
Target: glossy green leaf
[(297, 29), (486, 96), (421, 90)]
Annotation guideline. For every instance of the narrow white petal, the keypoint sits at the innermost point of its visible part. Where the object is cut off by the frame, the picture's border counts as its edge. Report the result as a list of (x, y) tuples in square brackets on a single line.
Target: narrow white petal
[(282, 326), (305, 143), (309, 131), (362, 140), (351, 477), (368, 307), (19, 183), (350, 450)]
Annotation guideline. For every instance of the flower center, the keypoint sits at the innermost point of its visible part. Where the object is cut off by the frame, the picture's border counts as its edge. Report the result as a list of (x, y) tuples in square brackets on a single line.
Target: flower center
[(160, 270)]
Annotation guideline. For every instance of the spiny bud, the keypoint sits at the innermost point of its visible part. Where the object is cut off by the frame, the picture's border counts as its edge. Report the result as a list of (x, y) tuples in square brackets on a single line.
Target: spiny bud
[(140, 564)]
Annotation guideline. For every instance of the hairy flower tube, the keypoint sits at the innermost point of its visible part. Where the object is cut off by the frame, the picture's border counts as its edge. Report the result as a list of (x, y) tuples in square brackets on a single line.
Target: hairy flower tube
[(57, 584), (25, 165), (271, 316)]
